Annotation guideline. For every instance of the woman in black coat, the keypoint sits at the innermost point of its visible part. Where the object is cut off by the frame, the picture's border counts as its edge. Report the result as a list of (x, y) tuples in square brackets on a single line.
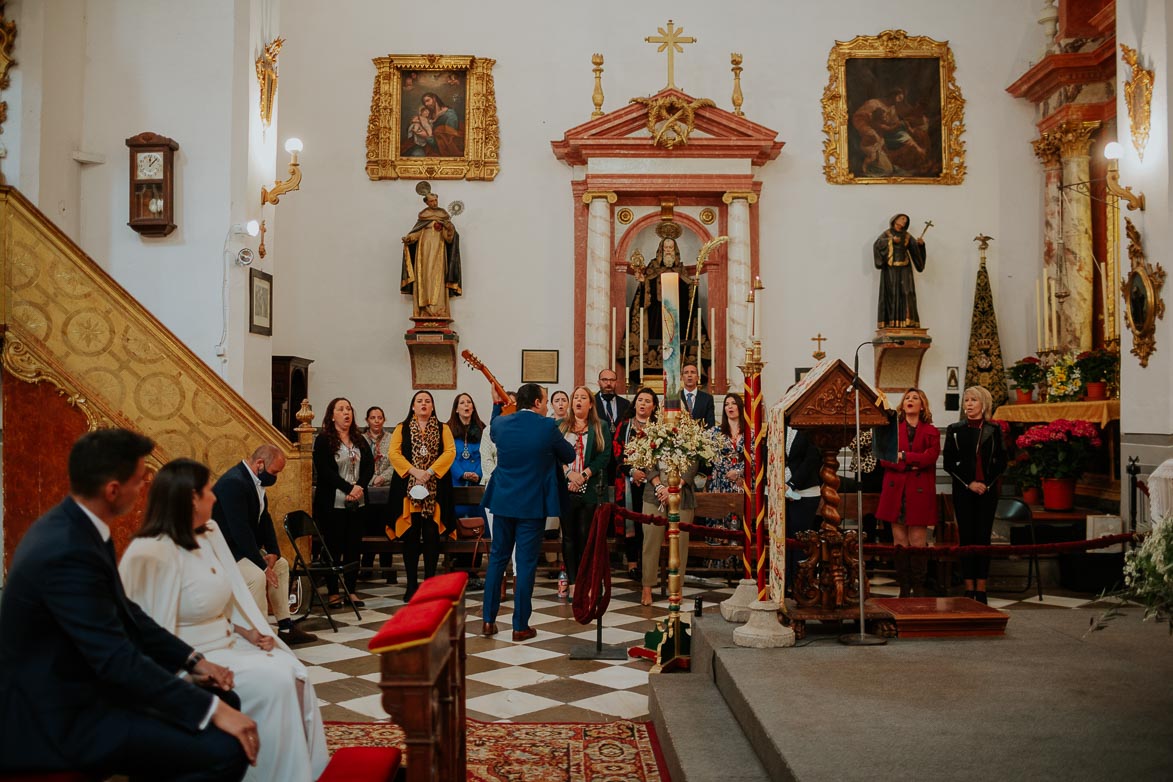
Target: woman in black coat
[(343, 466), (976, 458)]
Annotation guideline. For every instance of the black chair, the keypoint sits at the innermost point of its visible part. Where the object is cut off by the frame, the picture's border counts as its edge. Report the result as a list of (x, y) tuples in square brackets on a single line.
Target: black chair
[(1015, 511), (300, 524)]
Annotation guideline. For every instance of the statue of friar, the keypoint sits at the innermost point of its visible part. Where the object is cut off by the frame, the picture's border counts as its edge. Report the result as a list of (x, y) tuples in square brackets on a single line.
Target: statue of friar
[(431, 261), (897, 253)]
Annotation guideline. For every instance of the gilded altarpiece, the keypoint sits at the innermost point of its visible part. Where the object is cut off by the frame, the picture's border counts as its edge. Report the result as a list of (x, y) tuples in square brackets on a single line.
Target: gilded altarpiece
[(628, 179)]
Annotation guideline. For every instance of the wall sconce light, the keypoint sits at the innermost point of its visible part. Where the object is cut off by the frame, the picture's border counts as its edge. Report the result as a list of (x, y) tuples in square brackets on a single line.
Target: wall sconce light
[(292, 146), (1113, 151)]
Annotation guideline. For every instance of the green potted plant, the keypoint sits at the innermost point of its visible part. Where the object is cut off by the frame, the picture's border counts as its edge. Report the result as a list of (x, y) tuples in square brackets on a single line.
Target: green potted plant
[(1097, 368), (1059, 452), (1027, 373), (1019, 472)]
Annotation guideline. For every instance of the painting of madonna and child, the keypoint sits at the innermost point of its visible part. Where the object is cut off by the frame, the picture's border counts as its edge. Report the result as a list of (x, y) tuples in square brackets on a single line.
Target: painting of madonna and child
[(433, 113), (895, 110)]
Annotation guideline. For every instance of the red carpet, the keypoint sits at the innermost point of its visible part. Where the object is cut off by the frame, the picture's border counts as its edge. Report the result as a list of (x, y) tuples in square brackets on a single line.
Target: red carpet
[(619, 751)]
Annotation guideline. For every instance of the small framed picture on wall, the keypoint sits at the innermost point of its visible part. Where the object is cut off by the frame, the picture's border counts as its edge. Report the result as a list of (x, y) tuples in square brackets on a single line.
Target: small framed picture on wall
[(260, 302)]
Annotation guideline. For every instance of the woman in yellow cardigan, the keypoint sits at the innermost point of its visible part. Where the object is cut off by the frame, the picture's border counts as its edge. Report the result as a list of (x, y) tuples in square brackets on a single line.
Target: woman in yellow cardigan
[(422, 451)]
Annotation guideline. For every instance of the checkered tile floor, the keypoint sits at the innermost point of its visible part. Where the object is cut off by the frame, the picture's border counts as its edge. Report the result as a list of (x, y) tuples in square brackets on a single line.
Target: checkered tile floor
[(535, 681)]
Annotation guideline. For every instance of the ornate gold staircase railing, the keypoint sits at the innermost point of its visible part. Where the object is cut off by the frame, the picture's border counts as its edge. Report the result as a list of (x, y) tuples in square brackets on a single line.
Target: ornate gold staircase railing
[(67, 322)]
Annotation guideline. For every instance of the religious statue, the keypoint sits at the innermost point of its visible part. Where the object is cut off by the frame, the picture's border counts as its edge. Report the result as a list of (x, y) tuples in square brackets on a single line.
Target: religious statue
[(431, 261), (896, 254), (647, 306)]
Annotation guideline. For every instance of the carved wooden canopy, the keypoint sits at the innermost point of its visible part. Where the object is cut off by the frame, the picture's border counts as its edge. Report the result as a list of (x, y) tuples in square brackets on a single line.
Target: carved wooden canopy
[(824, 399)]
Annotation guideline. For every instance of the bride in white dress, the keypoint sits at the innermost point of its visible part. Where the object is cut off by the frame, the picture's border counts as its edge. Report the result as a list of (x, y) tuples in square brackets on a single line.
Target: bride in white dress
[(180, 571)]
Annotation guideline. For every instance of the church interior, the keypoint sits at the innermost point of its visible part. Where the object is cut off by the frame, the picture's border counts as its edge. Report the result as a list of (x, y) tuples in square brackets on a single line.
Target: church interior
[(216, 217)]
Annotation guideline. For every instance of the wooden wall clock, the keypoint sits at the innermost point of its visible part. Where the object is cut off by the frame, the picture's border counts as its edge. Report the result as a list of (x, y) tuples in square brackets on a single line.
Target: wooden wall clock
[(152, 184)]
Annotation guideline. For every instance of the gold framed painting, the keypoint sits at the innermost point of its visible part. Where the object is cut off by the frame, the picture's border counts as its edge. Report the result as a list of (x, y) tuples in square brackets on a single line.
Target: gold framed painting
[(892, 112), (433, 117)]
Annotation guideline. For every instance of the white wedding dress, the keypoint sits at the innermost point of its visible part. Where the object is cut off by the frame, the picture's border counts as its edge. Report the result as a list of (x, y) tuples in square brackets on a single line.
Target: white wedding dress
[(199, 595)]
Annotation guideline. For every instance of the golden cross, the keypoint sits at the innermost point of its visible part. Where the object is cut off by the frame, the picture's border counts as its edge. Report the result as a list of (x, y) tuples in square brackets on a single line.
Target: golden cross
[(670, 41), (820, 339)]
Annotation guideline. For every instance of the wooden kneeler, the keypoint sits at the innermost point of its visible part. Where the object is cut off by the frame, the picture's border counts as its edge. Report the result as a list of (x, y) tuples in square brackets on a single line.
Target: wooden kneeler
[(450, 588), (416, 674)]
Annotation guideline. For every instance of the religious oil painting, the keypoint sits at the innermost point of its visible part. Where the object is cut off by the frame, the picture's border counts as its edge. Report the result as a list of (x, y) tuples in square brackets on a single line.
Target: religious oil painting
[(432, 117), (892, 112)]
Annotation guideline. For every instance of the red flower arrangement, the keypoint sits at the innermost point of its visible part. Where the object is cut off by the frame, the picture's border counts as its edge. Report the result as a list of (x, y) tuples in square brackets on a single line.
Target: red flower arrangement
[(1027, 372), (1060, 449)]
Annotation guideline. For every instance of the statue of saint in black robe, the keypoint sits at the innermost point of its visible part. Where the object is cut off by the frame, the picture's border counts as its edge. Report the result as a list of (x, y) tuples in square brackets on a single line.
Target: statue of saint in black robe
[(896, 254)]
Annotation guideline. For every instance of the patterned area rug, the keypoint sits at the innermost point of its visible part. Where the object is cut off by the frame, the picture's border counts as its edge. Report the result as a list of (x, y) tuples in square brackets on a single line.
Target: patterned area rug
[(619, 751)]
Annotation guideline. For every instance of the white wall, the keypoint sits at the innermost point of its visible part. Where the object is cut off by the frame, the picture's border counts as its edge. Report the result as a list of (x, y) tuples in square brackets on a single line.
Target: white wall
[(1147, 415), (338, 270)]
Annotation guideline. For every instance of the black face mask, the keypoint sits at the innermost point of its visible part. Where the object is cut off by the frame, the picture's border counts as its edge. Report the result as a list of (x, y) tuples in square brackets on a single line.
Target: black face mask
[(267, 478)]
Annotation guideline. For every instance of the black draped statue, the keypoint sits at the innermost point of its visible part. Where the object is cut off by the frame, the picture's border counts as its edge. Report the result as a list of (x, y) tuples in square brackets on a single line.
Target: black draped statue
[(897, 253)]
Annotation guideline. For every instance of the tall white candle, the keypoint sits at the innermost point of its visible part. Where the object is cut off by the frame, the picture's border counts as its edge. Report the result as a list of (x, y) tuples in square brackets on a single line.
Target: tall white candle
[(643, 322), (1038, 316), (1053, 316), (626, 348), (712, 337), (611, 353)]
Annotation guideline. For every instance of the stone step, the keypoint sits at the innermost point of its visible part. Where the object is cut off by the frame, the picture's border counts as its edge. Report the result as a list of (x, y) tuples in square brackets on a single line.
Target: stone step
[(701, 739)]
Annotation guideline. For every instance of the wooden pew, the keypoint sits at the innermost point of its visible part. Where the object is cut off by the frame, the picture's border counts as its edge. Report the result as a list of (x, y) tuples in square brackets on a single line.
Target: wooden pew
[(417, 658)]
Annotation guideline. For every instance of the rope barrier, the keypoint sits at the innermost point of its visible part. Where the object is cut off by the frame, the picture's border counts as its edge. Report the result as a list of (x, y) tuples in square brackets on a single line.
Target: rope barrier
[(874, 549), (592, 590)]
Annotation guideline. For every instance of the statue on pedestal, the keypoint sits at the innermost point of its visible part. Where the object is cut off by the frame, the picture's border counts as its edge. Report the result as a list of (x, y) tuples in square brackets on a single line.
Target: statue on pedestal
[(431, 260), (897, 254)]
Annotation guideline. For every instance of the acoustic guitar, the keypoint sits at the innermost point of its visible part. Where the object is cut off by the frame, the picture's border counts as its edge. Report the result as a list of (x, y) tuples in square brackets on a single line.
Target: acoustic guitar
[(473, 362)]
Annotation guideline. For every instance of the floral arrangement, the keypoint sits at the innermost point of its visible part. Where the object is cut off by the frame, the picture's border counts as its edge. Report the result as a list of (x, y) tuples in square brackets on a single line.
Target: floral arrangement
[(1060, 449), (676, 445), (1027, 372), (1097, 366), (1148, 573), (1064, 380)]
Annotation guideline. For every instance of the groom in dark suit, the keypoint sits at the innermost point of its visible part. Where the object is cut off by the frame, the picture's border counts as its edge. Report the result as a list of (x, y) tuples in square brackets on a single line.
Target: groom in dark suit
[(89, 680), (522, 492)]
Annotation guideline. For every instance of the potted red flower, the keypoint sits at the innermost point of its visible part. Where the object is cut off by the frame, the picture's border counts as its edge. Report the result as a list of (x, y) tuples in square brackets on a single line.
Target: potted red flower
[(1027, 373), (1059, 452), (1097, 368)]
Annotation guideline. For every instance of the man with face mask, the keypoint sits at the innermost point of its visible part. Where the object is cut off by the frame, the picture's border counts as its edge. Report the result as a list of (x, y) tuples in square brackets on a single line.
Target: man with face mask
[(242, 511)]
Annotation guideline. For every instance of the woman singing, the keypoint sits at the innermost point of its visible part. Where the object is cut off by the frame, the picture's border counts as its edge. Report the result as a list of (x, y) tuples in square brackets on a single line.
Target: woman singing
[(422, 452), (344, 466), (591, 439), (908, 499), (975, 457)]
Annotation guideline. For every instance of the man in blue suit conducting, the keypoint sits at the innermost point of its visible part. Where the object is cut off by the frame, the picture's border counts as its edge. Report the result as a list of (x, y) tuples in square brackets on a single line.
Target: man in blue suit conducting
[(89, 680), (521, 494)]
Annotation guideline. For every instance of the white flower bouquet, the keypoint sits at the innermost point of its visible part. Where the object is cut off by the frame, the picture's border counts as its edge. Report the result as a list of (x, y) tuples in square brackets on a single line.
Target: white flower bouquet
[(675, 445)]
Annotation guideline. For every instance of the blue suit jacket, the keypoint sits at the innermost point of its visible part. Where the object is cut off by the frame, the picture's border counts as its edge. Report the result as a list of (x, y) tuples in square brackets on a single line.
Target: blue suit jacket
[(73, 648), (525, 484)]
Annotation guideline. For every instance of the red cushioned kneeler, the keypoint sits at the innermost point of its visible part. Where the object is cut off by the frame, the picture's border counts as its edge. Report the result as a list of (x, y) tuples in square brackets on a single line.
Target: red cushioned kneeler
[(449, 586), (362, 764), (413, 624)]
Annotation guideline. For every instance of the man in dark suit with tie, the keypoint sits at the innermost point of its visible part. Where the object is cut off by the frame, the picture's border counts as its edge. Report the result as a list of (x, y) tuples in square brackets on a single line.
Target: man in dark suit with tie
[(521, 494), (89, 680), (242, 510), (698, 403), (611, 408)]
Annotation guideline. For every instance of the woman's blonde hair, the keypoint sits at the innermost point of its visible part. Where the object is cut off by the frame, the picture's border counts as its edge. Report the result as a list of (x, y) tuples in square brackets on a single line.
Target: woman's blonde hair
[(984, 397), (926, 414), (593, 421)]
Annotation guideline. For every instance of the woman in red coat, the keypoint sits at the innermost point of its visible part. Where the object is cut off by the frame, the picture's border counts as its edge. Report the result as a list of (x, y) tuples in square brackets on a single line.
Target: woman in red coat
[(908, 500)]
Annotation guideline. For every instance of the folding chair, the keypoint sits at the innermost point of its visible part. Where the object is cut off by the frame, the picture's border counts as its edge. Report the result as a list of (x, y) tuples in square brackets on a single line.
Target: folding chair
[(300, 524), (1017, 512)]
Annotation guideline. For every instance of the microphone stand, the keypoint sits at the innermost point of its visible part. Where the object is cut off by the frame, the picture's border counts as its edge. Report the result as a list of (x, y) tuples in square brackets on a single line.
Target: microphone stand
[(862, 638)]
